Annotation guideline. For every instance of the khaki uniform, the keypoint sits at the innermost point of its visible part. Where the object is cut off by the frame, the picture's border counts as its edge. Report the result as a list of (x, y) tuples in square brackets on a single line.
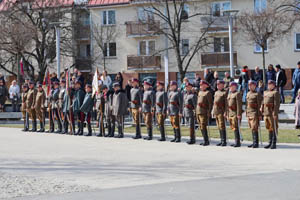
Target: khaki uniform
[(30, 103), (219, 108), (161, 107), (234, 109), (24, 111), (136, 98), (148, 104), (39, 105), (271, 108), (253, 113), (174, 108), (204, 107)]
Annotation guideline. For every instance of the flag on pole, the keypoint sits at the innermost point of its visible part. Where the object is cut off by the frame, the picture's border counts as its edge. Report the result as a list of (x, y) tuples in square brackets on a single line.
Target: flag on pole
[(95, 82), (22, 67)]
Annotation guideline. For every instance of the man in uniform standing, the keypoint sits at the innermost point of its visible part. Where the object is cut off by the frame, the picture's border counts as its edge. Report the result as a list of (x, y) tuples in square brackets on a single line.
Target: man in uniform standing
[(147, 108), (253, 113), (119, 108), (203, 111), (79, 95), (234, 112), (67, 110), (55, 111), (219, 109), (136, 98), (108, 97), (161, 109), (39, 107), (30, 103), (174, 110), (60, 104), (87, 107), (270, 109), (189, 105), (23, 107)]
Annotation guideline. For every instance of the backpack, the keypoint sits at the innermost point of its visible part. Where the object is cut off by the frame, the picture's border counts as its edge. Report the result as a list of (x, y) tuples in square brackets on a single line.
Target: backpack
[(284, 80)]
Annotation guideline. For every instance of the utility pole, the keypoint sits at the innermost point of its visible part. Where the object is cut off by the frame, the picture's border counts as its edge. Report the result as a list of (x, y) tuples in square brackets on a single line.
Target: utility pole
[(166, 55)]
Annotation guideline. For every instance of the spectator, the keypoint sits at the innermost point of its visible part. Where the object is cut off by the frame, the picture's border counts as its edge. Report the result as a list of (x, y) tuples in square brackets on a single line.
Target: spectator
[(297, 111), (271, 73), (214, 81), (197, 81), (128, 88), (119, 79), (182, 86), (296, 82), (3, 95), (257, 75), (260, 87), (106, 80), (280, 81), (14, 94), (2, 78), (27, 80), (80, 78), (243, 81), (227, 79), (208, 77)]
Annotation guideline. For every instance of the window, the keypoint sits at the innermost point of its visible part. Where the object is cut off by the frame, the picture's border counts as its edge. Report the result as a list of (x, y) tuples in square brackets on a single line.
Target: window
[(185, 47), (146, 48), (297, 41), (85, 50), (110, 49), (218, 8), (108, 17), (145, 14), (260, 5), (84, 19), (221, 44), (258, 49), (185, 12)]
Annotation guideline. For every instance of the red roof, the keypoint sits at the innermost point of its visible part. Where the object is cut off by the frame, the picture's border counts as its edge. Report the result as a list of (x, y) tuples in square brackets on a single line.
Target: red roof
[(6, 4), (107, 2)]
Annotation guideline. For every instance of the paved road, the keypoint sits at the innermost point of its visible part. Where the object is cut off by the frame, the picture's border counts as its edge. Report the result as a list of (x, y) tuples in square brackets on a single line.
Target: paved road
[(51, 166)]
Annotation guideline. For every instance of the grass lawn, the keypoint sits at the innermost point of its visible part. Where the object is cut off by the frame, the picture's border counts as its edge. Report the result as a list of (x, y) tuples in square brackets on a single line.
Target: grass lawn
[(285, 135)]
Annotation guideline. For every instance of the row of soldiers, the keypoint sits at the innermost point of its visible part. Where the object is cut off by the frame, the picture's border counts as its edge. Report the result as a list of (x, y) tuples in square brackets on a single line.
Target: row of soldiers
[(66, 106)]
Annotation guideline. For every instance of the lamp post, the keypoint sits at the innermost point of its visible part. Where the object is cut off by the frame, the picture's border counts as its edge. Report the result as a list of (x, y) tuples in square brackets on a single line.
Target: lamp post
[(231, 15)]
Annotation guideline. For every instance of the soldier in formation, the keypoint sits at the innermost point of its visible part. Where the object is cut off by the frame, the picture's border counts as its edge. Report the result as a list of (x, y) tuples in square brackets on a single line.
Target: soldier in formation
[(23, 107), (135, 105), (161, 103), (147, 108), (40, 106)]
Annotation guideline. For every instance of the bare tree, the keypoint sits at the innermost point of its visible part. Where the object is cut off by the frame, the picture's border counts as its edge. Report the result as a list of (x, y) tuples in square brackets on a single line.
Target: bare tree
[(266, 27), (180, 23)]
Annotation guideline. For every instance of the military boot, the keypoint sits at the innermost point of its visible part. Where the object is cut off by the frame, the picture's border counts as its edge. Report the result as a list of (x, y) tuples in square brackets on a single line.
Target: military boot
[(108, 130), (175, 135), (253, 140), (221, 138), (205, 138), (25, 126), (59, 130), (78, 128), (120, 134), (273, 146), (112, 131), (237, 139), (81, 128), (33, 126), (137, 132), (192, 136), (65, 128), (90, 132), (224, 139), (42, 127), (256, 140), (178, 133), (270, 140), (162, 133)]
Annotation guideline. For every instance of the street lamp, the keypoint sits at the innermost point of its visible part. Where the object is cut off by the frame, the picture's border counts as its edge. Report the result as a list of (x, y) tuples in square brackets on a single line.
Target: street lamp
[(231, 15)]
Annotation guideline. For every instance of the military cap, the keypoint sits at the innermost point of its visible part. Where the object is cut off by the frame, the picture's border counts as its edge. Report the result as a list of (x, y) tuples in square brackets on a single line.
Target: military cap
[(89, 85), (63, 81), (31, 82), (160, 83), (147, 83), (272, 82), (233, 84), (56, 83), (39, 84), (104, 87), (116, 84), (220, 82), (25, 86), (78, 81), (188, 84), (204, 82), (27, 79), (135, 80), (173, 83), (252, 82)]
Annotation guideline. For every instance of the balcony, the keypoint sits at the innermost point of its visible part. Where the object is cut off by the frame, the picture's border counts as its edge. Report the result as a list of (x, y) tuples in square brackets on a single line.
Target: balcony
[(142, 29), (143, 62), (83, 33), (216, 24), (217, 59), (83, 64)]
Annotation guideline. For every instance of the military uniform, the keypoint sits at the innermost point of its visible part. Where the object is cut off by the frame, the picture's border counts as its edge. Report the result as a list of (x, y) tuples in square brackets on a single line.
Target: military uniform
[(161, 110), (54, 98), (147, 106), (108, 98), (24, 110), (174, 109), (30, 103), (219, 109), (40, 108), (136, 98), (100, 106), (189, 106), (253, 113), (79, 95), (270, 109), (120, 104), (234, 110), (87, 108), (203, 111), (67, 111), (61, 95)]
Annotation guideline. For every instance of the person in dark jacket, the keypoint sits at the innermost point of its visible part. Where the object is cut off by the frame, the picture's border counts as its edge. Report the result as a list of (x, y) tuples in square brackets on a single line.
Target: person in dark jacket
[(197, 81), (87, 108), (79, 95), (280, 82), (3, 95), (128, 88), (243, 81), (257, 75), (271, 73), (208, 76), (119, 79), (214, 81)]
